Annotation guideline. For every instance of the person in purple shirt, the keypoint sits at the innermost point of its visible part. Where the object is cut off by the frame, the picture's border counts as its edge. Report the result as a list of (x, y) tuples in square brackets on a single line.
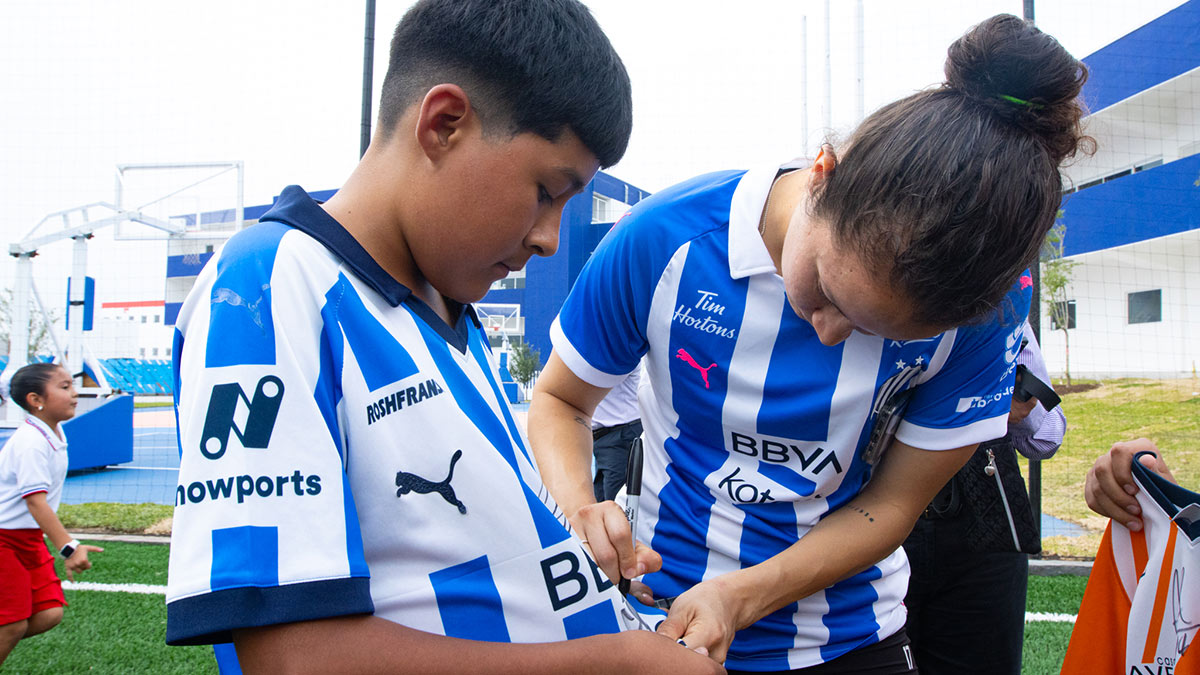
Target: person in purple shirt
[(966, 607)]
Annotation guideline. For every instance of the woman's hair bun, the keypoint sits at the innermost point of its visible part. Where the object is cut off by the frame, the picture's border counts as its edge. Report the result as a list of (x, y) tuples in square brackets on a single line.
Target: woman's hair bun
[(1025, 76)]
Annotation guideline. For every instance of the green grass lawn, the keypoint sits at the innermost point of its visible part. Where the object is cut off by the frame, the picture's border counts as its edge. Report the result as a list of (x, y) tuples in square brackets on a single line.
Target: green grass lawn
[(111, 632), (106, 632)]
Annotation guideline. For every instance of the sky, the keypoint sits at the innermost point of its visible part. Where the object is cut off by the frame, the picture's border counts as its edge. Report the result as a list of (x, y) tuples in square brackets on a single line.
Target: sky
[(717, 84)]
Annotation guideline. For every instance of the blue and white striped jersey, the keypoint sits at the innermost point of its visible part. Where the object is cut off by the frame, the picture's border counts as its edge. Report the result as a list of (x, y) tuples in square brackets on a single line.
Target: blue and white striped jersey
[(753, 429), (343, 451)]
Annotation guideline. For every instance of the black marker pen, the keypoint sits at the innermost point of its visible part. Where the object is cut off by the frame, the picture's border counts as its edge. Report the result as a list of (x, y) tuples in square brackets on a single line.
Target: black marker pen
[(633, 492)]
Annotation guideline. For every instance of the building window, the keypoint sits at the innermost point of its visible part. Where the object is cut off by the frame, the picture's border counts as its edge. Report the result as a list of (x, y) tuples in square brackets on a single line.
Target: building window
[(168, 352), (607, 209), (143, 352), (154, 352), (157, 318), (1063, 309), (513, 280), (1145, 306), (143, 318)]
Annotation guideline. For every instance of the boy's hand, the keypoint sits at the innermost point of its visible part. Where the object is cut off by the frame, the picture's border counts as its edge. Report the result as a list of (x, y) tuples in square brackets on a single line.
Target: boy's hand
[(605, 530), (78, 561), (652, 654), (1109, 489)]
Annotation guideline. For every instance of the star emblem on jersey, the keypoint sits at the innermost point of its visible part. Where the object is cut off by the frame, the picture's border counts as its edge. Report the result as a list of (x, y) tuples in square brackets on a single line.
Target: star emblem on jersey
[(687, 358), (410, 482)]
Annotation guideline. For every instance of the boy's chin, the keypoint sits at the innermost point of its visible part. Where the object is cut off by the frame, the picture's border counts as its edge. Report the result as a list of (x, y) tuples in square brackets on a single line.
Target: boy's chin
[(467, 296)]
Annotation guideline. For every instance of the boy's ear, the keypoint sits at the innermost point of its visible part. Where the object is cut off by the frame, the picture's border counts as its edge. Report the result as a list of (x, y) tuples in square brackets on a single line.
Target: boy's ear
[(443, 117)]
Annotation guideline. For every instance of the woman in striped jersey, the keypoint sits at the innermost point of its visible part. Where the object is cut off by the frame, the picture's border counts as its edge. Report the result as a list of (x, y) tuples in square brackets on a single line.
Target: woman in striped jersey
[(781, 313)]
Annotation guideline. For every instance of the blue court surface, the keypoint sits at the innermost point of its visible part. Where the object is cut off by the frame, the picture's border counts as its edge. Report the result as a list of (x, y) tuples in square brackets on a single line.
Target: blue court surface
[(154, 472), (150, 478)]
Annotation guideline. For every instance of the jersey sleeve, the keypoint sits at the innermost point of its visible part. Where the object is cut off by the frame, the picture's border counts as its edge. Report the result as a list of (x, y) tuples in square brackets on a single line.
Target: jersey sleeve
[(265, 530), (600, 332), (965, 398)]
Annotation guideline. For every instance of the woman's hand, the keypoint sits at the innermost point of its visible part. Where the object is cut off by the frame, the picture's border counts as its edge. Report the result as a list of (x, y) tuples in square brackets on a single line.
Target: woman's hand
[(605, 530), (705, 618)]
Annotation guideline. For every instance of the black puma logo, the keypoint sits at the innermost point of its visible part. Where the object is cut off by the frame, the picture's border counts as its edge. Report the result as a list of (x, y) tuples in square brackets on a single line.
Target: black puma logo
[(411, 482)]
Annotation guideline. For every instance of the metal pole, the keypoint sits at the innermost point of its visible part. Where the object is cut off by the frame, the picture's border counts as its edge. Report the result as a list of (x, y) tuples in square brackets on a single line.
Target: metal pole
[(803, 82), (1035, 322), (18, 332), (75, 306), (859, 63), (827, 105), (368, 77)]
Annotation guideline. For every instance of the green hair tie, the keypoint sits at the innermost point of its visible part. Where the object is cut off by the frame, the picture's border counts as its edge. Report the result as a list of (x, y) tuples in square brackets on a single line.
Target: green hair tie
[(1018, 101)]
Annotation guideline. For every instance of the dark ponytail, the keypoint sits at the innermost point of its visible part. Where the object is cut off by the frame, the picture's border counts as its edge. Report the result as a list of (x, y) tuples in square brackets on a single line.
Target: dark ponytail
[(1022, 76), (31, 379), (950, 192)]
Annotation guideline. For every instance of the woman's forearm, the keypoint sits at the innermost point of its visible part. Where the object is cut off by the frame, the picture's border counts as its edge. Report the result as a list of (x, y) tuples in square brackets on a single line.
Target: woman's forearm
[(856, 536)]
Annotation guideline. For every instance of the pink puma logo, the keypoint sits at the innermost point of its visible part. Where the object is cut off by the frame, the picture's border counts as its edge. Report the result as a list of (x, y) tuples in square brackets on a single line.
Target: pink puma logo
[(682, 354)]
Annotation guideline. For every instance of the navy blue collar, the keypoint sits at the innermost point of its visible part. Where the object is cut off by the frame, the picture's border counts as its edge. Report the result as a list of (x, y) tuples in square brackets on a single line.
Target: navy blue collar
[(297, 209)]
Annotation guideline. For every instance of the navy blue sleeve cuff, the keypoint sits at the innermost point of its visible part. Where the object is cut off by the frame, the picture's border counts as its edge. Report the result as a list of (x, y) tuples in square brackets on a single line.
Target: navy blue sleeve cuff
[(211, 618)]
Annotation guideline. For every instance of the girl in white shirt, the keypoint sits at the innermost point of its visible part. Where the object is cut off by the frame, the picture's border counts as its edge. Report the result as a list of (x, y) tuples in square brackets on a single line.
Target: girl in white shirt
[(33, 468)]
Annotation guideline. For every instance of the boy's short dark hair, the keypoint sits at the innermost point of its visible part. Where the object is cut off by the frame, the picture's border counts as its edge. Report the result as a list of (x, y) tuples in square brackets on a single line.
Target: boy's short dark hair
[(528, 65)]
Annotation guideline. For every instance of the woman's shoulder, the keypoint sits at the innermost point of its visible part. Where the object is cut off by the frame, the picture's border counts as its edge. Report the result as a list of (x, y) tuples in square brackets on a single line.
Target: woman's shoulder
[(682, 212)]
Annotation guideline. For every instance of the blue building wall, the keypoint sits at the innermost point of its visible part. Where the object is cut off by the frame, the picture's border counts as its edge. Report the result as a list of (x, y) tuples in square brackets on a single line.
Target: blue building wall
[(1152, 203), (1162, 49), (1145, 205)]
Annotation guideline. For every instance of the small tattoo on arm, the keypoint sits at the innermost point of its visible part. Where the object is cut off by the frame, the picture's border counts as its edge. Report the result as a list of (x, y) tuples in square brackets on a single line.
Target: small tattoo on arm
[(582, 422), (866, 514)]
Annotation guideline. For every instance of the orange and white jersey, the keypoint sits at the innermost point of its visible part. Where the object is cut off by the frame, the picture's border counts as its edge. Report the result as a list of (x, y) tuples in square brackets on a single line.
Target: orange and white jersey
[(1141, 609)]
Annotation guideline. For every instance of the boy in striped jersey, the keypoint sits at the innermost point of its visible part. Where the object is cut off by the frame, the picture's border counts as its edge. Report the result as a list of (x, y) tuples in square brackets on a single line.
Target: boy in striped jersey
[(354, 494)]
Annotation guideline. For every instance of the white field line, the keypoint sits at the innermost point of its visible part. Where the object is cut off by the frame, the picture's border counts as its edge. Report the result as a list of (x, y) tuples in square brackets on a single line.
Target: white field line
[(1049, 616), (144, 589), (162, 590)]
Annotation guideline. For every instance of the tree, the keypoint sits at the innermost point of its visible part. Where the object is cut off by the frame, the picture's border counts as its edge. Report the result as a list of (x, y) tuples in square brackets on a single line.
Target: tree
[(38, 330), (523, 363), (1056, 276)]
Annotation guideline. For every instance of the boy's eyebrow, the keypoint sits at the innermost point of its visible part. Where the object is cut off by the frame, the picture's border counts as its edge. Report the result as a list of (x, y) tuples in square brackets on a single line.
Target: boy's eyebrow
[(573, 176)]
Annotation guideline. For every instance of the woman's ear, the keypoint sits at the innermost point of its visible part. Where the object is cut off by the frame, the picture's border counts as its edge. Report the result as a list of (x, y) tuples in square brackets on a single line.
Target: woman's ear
[(826, 160)]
